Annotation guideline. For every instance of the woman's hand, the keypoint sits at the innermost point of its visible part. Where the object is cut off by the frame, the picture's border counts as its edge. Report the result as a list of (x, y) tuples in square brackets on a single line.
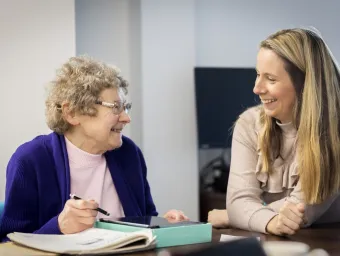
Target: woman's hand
[(175, 216), (77, 216), (288, 221), (218, 218)]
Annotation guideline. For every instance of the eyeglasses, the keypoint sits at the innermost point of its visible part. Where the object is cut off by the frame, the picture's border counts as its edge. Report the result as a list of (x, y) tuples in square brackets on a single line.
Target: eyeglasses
[(117, 106)]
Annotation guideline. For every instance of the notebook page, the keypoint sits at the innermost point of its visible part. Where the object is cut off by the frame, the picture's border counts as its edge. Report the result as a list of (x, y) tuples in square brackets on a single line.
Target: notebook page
[(91, 239), (227, 238)]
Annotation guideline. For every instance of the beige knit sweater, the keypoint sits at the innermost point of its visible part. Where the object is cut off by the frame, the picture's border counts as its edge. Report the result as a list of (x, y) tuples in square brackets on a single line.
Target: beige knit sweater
[(254, 198)]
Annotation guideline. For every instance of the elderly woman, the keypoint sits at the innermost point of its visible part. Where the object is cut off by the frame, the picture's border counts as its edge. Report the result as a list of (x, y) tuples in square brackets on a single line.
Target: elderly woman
[(85, 155)]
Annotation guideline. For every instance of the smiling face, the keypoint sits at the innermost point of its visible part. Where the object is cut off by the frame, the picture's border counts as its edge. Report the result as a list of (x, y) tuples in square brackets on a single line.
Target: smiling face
[(274, 86), (100, 133)]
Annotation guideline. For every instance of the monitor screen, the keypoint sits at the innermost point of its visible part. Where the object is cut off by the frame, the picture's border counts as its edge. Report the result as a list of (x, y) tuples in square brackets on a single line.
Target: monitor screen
[(222, 94)]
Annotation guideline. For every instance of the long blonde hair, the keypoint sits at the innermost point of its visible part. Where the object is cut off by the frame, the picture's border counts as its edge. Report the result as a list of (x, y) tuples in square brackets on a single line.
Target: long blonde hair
[(316, 78)]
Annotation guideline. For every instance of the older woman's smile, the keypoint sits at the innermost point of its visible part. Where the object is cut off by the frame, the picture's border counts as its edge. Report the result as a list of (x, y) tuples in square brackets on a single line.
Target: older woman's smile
[(118, 130)]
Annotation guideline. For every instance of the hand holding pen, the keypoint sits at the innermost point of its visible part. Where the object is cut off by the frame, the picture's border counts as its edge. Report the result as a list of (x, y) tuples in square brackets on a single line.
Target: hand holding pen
[(77, 215), (73, 196)]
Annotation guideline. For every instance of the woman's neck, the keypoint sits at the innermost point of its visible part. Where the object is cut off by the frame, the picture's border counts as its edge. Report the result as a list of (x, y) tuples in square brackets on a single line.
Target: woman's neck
[(83, 142)]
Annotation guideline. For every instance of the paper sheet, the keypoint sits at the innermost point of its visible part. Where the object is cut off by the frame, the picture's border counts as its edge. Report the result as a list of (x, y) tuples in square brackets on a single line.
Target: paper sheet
[(90, 239), (227, 238)]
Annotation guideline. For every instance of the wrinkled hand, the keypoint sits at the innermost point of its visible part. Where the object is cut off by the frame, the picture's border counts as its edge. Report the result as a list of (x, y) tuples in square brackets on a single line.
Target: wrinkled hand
[(218, 218), (175, 216), (289, 220), (77, 216)]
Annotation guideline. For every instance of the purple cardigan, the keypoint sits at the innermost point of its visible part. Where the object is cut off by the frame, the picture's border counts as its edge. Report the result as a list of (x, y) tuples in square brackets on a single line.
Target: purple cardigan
[(38, 184)]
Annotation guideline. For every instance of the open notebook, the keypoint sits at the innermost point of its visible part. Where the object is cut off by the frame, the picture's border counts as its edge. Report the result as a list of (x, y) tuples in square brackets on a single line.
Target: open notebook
[(91, 241)]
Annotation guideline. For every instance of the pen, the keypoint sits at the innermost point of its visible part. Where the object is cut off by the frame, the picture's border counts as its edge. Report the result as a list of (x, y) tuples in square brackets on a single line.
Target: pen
[(73, 196)]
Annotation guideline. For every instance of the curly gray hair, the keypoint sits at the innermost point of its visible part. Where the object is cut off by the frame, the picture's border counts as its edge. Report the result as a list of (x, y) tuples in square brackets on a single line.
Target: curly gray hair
[(79, 82)]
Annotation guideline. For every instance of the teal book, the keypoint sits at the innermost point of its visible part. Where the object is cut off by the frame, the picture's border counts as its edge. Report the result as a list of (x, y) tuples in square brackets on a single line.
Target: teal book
[(167, 233)]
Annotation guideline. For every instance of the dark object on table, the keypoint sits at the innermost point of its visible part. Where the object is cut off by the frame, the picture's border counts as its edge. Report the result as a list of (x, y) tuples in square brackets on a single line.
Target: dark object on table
[(247, 246)]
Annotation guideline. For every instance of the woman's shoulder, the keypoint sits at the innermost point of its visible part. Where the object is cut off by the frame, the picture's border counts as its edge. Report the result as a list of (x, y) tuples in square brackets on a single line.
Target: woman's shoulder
[(33, 148), (250, 118)]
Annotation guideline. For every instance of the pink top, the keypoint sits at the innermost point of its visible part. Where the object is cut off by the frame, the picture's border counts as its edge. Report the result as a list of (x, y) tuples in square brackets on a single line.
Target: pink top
[(91, 179)]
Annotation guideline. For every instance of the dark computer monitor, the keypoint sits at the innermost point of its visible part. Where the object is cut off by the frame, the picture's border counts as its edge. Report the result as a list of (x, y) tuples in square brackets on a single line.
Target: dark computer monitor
[(247, 246), (222, 94)]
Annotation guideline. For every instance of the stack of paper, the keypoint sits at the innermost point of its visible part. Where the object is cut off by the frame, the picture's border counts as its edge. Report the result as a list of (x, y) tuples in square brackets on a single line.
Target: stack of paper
[(92, 241)]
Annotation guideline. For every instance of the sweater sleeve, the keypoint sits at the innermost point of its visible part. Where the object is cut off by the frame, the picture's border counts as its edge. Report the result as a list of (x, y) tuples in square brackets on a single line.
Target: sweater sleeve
[(21, 201), (149, 204), (312, 212), (244, 205)]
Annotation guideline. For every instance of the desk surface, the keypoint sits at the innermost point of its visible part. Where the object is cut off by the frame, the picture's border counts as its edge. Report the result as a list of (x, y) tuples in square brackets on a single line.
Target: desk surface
[(326, 237)]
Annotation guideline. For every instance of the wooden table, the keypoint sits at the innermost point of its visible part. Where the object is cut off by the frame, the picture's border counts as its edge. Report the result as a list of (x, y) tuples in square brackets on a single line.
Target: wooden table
[(325, 236)]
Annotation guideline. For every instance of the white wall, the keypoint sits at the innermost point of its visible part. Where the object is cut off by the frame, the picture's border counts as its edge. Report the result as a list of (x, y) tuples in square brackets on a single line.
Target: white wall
[(141, 37), (110, 31), (37, 36), (103, 32), (228, 32), (169, 127)]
